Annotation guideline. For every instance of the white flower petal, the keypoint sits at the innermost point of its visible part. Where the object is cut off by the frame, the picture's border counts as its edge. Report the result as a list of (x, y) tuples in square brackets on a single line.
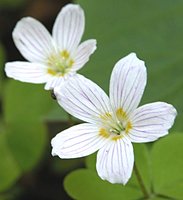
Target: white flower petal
[(77, 141), (127, 83), (151, 121), (58, 81), (115, 161), (83, 99), (27, 72), (69, 26), (53, 82), (32, 40), (83, 53)]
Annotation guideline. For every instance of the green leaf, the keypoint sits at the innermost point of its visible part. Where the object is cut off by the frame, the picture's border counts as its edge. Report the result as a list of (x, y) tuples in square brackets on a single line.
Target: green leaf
[(9, 169), (26, 107), (25, 102), (152, 29), (27, 141), (30, 102), (167, 165), (85, 184), (175, 190)]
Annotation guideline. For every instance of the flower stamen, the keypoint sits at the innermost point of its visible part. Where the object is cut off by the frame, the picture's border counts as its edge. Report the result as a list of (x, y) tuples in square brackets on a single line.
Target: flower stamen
[(121, 114), (128, 127), (115, 127), (60, 64), (116, 137), (103, 133)]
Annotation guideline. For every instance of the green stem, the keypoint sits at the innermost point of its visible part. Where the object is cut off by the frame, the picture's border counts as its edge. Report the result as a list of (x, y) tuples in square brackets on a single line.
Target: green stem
[(141, 183), (164, 196)]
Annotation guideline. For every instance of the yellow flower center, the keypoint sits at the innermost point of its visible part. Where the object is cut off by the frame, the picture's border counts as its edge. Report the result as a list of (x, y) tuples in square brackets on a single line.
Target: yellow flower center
[(115, 127), (60, 64)]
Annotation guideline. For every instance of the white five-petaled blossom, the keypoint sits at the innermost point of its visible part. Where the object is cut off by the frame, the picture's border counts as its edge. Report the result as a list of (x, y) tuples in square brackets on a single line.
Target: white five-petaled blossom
[(52, 60), (112, 123)]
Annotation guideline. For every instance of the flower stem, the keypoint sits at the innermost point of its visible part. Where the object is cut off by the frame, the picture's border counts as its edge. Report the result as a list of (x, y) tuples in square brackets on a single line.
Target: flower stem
[(164, 196), (141, 183)]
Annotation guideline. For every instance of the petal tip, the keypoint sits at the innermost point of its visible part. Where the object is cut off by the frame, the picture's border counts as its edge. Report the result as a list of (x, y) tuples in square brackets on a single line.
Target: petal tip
[(132, 54), (53, 153), (94, 41), (72, 6), (174, 111), (7, 70), (54, 145), (115, 180), (20, 23), (57, 92), (132, 61), (93, 46)]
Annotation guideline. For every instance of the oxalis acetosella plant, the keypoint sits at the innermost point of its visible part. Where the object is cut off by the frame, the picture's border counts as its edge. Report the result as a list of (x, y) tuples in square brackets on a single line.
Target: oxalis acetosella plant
[(112, 123), (51, 59)]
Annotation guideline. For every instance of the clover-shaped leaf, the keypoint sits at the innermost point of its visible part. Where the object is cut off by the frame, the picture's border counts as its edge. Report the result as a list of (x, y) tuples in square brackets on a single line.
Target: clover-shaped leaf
[(85, 184), (9, 168), (167, 165)]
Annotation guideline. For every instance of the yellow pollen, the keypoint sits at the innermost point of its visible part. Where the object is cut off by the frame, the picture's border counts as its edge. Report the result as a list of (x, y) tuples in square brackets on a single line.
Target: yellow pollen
[(121, 114), (64, 54), (51, 59), (105, 116), (103, 133), (54, 73), (70, 63), (116, 137), (60, 64), (128, 127)]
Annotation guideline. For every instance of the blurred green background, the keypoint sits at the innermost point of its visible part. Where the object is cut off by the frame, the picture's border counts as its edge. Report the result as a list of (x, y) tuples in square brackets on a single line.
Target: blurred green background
[(30, 117)]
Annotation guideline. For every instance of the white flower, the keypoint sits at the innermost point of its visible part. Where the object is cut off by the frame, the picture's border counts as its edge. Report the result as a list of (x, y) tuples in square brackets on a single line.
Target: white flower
[(51, 59), (112, 123)]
